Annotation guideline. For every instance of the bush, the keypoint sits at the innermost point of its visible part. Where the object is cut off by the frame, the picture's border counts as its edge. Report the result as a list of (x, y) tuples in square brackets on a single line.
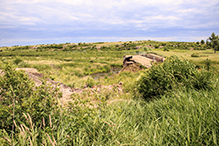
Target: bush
[(165, 49), (194, 55), (19, 95), (171, 75), (208, 64), (157, 46), (106, 68), (146, 49), (90, 82), (17, 61)]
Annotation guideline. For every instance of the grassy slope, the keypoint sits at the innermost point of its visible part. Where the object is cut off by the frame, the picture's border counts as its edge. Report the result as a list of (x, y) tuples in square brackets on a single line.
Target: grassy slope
[(187, 54), (183, 118)]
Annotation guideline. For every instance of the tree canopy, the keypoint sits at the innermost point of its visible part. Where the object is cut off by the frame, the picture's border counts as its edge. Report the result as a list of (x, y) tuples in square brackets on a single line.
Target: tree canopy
[(214, 41)]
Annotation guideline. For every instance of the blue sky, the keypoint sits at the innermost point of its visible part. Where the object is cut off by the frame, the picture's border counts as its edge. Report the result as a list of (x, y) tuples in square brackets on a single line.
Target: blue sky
[(29, 22)]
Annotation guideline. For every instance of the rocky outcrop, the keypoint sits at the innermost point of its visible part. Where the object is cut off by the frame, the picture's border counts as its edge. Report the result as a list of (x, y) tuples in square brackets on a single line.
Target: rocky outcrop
[(154, 57), (144, 60), (130, 59)]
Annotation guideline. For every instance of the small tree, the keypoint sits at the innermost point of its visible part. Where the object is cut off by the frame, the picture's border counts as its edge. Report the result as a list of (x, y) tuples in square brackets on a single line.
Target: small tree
[(214, 41), (202, 42)]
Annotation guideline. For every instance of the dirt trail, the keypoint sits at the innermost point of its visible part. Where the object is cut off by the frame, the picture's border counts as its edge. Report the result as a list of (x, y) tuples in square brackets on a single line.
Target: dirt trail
[(38, 77), (66, 90)]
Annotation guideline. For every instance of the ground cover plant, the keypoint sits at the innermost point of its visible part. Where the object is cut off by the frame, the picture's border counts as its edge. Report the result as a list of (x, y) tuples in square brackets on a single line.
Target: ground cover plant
[(184, 114)]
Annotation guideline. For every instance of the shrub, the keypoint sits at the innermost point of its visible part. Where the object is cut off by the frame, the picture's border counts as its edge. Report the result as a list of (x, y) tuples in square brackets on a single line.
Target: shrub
[(24, 65), (17, 61), (165, 49), (171, 75), (106, 68), (208, 64), (202, 42), (79, 73), (19, 95), (146, 49), (194, 55), (90, 82), (157, 46)]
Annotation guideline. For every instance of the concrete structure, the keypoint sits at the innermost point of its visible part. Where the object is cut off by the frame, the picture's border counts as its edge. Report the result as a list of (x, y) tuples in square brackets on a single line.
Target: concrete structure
[(144, 60)]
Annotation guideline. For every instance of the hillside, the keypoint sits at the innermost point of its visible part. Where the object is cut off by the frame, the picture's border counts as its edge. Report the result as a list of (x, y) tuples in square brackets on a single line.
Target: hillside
[(81, 94)]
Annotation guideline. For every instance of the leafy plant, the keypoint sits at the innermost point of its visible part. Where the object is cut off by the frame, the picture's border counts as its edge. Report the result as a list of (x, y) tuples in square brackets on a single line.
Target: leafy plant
[(90, 82), (171, 75), (17, 61), (19, 95), (208, 64), (194, 55)]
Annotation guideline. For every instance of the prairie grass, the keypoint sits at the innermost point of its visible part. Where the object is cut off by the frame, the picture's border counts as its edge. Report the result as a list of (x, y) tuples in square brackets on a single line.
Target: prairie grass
[(182, 118), (187, 54)]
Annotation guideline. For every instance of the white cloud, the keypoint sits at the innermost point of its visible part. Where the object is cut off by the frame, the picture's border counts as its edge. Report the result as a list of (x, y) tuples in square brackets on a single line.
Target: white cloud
[(123, 15)]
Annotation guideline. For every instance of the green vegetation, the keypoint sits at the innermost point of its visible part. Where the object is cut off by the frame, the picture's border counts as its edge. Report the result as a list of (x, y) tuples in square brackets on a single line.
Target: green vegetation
[(186, 116), (172, 103), (214, 42), (173, 74), (20, 96)]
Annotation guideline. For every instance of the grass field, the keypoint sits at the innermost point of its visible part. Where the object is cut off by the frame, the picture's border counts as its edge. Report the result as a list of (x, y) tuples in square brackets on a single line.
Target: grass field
[(187, 54), (98, 116)]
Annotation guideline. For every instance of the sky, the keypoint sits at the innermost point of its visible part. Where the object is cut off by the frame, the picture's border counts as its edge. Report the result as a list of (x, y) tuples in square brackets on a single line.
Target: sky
[(31, 22)]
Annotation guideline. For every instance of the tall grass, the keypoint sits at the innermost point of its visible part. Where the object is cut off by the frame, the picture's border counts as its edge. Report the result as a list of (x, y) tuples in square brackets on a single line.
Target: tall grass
[(185, 117), (182, 118)]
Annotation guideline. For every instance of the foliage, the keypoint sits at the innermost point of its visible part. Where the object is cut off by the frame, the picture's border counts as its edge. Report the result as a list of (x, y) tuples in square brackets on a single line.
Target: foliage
[(157, 46), (214, 41), (208, 64), (194, 55), (17, 61), (170, 75), (189, 117), (90, 82), (19, 95)]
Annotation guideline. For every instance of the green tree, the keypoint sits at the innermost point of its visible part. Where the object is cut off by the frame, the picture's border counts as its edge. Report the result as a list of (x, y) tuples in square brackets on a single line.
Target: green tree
[(214, 41), (202, 42)]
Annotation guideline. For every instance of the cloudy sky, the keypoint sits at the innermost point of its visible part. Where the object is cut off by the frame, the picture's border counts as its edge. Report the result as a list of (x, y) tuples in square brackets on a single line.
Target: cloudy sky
[(26, 22)]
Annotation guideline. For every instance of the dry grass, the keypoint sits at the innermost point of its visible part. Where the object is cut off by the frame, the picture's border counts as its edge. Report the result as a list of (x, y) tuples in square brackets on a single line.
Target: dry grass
[(48, 62), (187, 54)]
